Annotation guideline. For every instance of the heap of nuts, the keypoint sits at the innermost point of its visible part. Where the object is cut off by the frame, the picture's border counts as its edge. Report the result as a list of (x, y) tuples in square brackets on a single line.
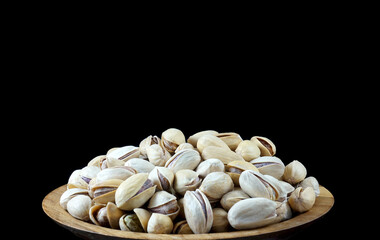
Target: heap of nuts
[(211, 182)]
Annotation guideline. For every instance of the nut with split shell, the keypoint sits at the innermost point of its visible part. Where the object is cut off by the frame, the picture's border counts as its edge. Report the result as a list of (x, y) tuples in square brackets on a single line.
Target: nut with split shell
[(79, 207), (140, 165), (223, 154), (215, 185), (310, 182), (208, 166), (164, 203), (210, 140), (269, 165), (171, 139), (134, 192), (163, 178), (294, 172), (104, 192), (267, 147), (231, 139), (184, 159), (123, 154), (252, 213), (248, 150), (157, 155), (184, 146), (135, 222), (186, 180), (182, 227), (146, 142), (193, 139), (230, 198), (106, 216), (198, 211), (69, 194), (235, 168), (302, 199), (160, 224), (115, 173), (257, 185)]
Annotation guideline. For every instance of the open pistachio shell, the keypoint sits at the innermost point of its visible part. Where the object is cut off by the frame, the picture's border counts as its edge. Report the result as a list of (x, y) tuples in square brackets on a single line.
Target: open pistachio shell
[(248, 150), (223, 154), (267, 148), (184, 159), (230, 198), (269, 166), (252, 213), (164, 203), (172, 138), (104, 192), (69, 194), (235, 168), (182, 227), (210, 140), (231, 139), (193, 139), (162, 177), (134, 192), (186, 180), (257, 185), (123, 153), (198, 211)]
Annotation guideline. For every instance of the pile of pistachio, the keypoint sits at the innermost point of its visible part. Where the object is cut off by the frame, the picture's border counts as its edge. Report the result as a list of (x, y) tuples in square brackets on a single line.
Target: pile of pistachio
[(213, 182)]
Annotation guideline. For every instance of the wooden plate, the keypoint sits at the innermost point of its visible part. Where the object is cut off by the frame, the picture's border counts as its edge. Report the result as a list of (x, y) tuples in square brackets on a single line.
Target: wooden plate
[(51, 207)]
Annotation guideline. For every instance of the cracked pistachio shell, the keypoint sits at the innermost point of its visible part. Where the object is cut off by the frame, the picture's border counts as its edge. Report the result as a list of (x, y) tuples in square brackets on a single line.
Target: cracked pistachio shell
[(172, 138), (69, 194), (230, 198), (184, 146), (182, 227), (223, 154), (208, 166), (76, 180), (215, 185), (104, 192), (283, 211), (198, 211), (252, 213), (210, 140), (134, 192), (269, 166), (184, 159), (140, 165), (248, 150), (164, 203), (231, 139), (186, 180), (162, 177), (106, 216), (123, 153), (193, 139), (257, 185), (284, 189), (220, 223), (157, 155), (79, 207), (302, 199), (310, 182), (294, 172), (134, 222), (97, 161), (267, 148), (150, 140), (235, 168), (160, 224), (115, 173)]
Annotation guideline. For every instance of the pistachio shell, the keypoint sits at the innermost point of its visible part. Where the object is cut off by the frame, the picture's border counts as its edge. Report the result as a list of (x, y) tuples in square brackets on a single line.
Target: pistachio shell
[(123, 153), (235, 168), (164, 203), (223, 154), (115, 173), (257, 185), (172, 138), (220, 223), (134, 192), (269, 166), (248, 150), (198, 211), (230, 198), (159, 223), (267, 148), (79, 207), (252, 213), (208, 166), (69, 194), (294, 172), (310, 182), (182, 227), (302, 199), (140, 165), (162, 177), (210, 140), (186, 180), (215, 185), (184, 159), (193, 139), (157, 155), (231, 139)]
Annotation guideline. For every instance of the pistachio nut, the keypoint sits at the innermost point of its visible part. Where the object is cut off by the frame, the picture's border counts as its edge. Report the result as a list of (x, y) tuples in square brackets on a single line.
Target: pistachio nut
[(223, 154), (164, 203), (267, 148), (283, 211), (135, 222), (79, 207), (186, 180), (182, 227), (294, 172), (257, 185), (134, 192), (163, 178), (220, 223), (230, 198), (157, 155), (146, 142), (140, 165), (76, 180), (172, 138), (310, 182), (115, 173), (193, 139), (231, 139), (184, 159), (184, 146), (302, 199), (284, 189), (252, 213), (104, 192), (123, 153), (208, 166), (97, 161), (269, 166), (235, 168), (160, 223), (69, 194), (215, 185), (198, 211), (248, 150), (106, 216), (210, 140)]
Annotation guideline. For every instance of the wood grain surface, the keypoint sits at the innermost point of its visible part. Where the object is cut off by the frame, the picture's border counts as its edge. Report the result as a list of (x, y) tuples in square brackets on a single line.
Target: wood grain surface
[(51, 207)]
